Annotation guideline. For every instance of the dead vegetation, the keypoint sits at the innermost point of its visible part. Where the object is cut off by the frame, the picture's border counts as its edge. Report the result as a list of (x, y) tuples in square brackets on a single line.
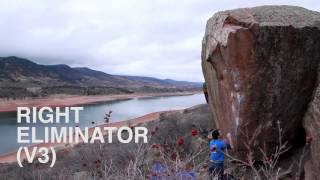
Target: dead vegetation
[(177, 149)]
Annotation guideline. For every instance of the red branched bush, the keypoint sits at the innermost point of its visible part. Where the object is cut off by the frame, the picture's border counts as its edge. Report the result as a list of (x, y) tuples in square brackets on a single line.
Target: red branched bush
[(194, 132), (180, 141)]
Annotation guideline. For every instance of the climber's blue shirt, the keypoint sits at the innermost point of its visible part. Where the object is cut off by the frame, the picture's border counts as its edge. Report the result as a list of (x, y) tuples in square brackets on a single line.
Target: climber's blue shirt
[(216, 148)]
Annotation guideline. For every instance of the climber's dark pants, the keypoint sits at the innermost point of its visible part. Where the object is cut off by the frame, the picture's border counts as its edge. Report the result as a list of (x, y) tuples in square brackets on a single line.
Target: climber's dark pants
[(216, 170)]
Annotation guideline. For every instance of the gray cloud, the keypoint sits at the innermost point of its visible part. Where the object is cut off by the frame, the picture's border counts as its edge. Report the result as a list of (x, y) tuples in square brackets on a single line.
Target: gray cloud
[(159, 38)]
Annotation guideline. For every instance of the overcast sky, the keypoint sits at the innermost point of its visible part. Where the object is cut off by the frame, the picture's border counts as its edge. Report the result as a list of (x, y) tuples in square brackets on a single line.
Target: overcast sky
[(158, 38)]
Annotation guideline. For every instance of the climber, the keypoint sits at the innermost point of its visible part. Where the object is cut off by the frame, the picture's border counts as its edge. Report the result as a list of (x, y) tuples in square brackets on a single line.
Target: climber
[(205, 91), (217, 147)]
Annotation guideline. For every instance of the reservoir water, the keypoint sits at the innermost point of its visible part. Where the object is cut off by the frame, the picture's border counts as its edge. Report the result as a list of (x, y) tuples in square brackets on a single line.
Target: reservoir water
[(121, 110)]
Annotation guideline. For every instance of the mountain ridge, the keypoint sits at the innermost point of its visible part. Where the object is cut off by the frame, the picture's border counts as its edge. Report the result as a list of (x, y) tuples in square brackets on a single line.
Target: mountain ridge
[(30, 77)]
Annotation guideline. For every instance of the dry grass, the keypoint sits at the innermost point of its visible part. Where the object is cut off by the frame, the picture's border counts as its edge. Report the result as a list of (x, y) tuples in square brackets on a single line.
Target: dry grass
[(178, 141)]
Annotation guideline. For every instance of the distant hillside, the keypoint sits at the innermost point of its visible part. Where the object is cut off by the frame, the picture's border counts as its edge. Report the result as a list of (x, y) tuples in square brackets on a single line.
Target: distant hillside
[(165, 82), (23, 78)]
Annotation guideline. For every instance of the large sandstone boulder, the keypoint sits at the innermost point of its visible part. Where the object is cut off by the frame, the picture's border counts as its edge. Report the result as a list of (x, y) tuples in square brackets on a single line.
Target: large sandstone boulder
[(260, 65)]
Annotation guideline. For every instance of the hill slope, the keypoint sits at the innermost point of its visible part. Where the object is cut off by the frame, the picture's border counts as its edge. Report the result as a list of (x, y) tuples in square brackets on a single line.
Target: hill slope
[(23, 78)]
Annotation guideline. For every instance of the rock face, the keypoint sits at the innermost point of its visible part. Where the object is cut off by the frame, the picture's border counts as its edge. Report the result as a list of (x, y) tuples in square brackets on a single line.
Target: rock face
[(260, 66), (312, 126)]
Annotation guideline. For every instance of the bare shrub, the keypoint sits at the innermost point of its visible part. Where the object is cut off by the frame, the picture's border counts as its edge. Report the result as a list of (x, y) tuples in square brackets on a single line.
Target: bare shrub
[(265, 165), (177, 141)]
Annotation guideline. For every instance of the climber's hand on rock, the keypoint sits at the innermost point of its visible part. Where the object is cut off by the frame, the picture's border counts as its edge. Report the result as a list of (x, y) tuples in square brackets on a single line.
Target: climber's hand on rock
[(230, 140)]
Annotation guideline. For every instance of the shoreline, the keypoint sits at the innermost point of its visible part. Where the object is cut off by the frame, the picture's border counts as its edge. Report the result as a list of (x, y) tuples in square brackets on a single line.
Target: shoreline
[(10, 157), (72, 100)]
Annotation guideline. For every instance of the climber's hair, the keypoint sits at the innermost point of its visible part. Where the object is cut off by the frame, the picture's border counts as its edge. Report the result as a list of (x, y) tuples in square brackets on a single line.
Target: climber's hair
[(215, 134)]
